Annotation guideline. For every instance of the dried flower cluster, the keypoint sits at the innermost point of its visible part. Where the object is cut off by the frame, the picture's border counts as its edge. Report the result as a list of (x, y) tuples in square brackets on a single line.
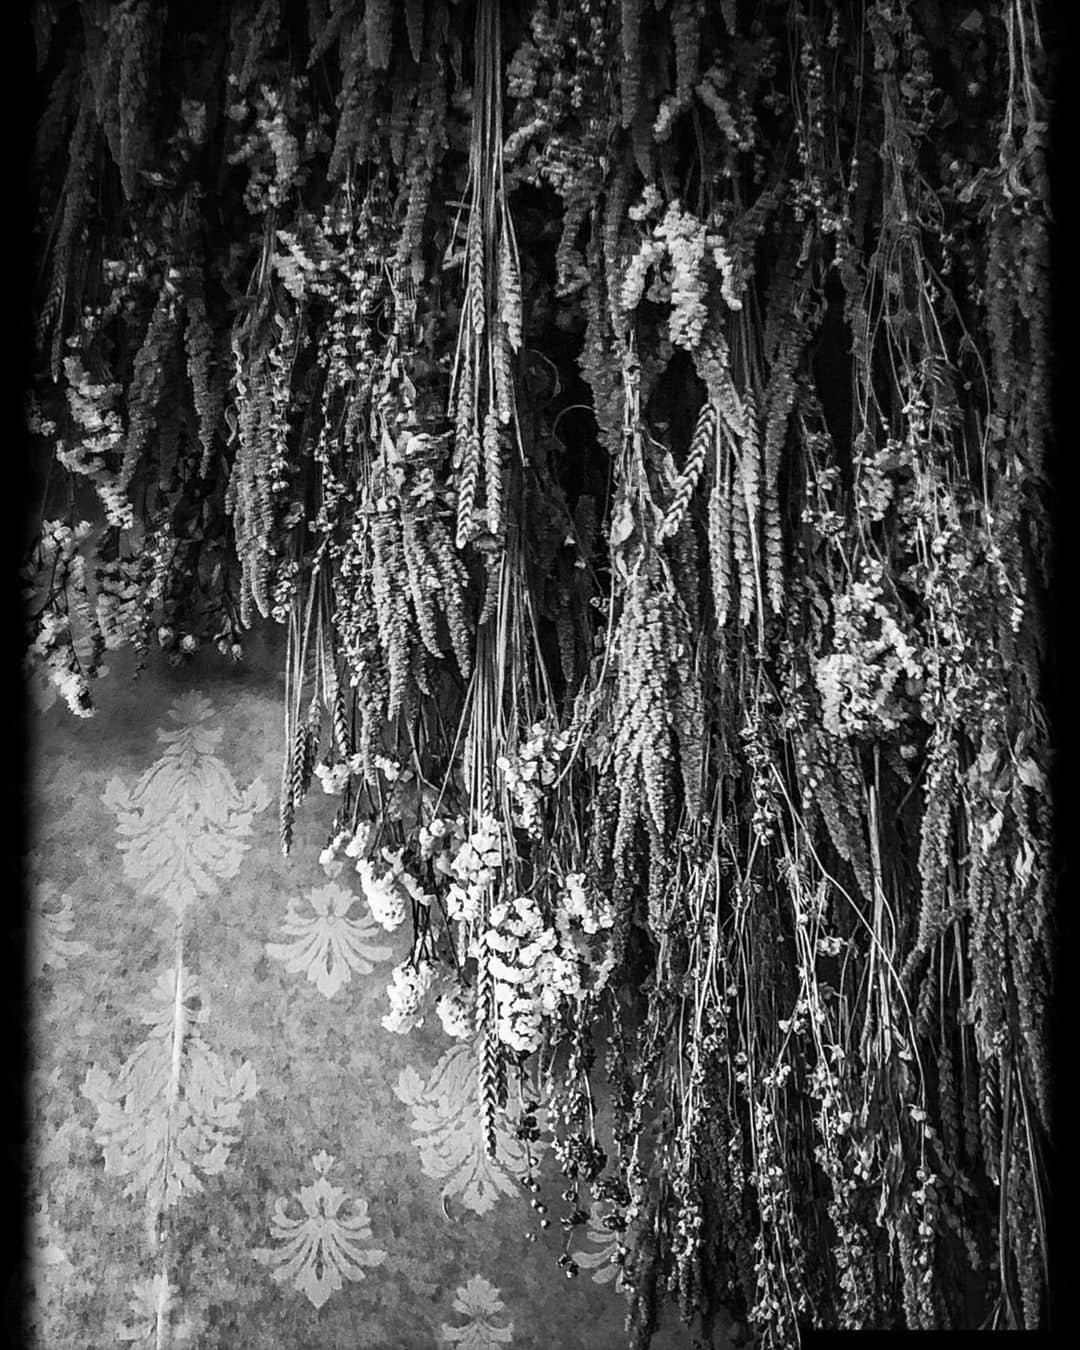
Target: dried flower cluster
[(638, 415)]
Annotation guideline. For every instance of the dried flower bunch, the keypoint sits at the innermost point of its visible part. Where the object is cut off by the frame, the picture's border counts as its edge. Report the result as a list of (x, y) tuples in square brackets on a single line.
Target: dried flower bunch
[(637, 413)]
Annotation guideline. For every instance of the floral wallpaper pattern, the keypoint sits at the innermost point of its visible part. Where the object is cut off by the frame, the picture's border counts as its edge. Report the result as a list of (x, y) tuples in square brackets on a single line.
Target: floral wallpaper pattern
[(320, 1249), (229, 1149), (446, 1118)]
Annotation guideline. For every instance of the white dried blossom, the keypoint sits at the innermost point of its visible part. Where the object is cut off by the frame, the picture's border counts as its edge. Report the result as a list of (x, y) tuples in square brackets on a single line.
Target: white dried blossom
[(456, 1010), (74, 690), (390, 768), (385, 900), (676, 255), (333, 778), (52, 626), (731, 283), (530, 773), (95, 412), (439, 842), (532, 971), (360, 844), (474, 869), (684, 235), (592, 912), (649, 255), (649, 204), (407, 991), (415, 889), (329, 860), (858, 679)]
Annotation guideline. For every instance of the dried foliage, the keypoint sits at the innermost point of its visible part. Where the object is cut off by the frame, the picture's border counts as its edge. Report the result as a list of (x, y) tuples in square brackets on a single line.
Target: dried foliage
[(638, 414)]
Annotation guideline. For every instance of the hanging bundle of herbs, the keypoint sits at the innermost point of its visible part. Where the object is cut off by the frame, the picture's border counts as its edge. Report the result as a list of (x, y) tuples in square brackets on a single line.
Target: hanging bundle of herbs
[(638, 415)]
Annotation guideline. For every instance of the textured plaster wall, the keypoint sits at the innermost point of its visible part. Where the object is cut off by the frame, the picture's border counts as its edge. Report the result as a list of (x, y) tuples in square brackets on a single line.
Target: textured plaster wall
[(229, 1149)]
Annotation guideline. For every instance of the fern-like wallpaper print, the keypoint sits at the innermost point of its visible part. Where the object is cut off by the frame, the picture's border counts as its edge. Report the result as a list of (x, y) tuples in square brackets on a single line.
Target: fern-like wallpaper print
[(229, 1148)]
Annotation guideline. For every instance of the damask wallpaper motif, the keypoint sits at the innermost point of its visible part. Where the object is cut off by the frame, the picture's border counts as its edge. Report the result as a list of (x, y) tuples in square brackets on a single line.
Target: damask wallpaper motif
[(230, 1150)]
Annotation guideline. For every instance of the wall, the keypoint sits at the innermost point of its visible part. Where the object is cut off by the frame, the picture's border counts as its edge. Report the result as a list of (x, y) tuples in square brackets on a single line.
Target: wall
[(229, 1149)]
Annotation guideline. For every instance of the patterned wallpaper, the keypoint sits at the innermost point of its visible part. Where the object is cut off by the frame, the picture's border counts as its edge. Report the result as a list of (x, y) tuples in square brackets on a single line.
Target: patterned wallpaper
[(229, 1148)]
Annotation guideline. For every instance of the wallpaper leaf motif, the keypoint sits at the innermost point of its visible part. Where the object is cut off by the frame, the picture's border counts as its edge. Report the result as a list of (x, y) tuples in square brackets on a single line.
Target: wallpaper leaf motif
[(50, 1274), (446, 1118), (164, 1155), (480, 1302), (53, 1143), (45, 1240), (49, 941), (329, 946), (152, 1299), (184, 826), (605, 1244), (321, 1249)]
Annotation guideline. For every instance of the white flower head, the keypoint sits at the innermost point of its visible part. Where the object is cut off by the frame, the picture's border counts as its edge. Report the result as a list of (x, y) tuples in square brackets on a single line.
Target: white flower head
[(384, 897), (359, 844), (333, 778), (593, 913), (407, 991), (328, 858), (456, 1010)]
